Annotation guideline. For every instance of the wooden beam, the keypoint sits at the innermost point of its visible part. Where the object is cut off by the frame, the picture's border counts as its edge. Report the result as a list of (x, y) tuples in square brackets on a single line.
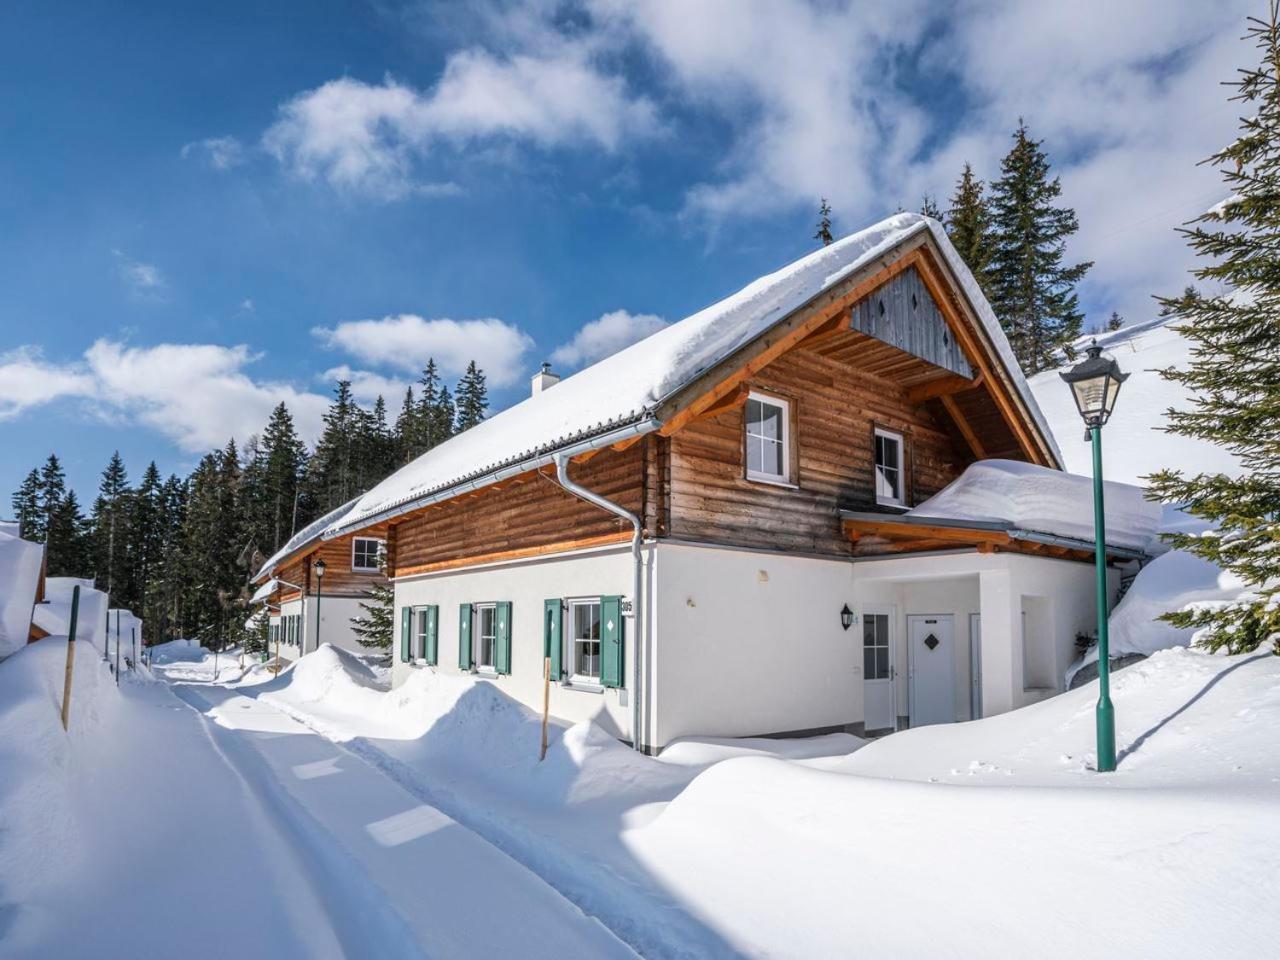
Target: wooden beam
[(562, 546), (941, 387), (971, 438), (832, 328), (899, 530), (730, 401)]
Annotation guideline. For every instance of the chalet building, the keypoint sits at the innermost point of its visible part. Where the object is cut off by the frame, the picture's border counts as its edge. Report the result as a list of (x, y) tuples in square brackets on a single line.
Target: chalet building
[(709, 533), (312, 587)]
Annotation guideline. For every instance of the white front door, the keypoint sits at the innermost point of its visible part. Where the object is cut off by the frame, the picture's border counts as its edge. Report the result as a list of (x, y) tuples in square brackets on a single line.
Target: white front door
[(975, 666), (878, 712), (931, 646)]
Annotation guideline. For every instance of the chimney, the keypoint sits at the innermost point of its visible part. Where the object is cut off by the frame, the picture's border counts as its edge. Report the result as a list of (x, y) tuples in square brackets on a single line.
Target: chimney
[(544, 379)]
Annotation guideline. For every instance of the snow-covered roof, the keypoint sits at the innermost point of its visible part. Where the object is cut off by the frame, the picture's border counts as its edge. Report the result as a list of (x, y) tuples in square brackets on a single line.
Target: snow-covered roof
[(311, 531), (1039, 500), (264, 591), (630, 385)]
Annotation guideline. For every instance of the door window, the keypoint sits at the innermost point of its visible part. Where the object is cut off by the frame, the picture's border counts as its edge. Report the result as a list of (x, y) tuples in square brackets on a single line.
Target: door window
[(875, 646)]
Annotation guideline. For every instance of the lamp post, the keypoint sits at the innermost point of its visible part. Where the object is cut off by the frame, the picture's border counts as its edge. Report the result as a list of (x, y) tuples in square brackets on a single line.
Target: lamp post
[(319, 568), (1095, 384)]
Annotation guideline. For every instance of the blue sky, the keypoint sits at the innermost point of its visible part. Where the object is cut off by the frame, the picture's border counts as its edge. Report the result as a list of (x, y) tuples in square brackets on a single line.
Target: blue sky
[(205, 212)]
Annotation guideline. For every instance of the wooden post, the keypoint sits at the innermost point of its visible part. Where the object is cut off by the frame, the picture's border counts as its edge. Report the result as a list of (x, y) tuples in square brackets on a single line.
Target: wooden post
[(546, 704), (117, 648), (71, 657)]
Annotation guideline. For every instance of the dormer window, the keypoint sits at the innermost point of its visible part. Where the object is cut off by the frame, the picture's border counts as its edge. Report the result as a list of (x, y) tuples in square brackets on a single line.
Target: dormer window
[(364, 554), (889, 473), (768, 442)]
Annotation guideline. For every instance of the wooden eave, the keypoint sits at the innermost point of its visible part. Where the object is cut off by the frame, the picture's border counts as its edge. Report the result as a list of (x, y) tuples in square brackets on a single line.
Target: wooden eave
[(878, 535)]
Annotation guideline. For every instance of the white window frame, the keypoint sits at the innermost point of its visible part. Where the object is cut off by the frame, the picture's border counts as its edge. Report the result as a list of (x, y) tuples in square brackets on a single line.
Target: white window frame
[(378, 544), (571, 641), (882, 499), (418, 638), (477, 637), (783, 478)]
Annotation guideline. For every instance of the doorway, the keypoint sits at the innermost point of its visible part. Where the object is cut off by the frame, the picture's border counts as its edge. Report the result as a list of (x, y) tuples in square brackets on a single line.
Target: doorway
[(878, 706), (931, 656)]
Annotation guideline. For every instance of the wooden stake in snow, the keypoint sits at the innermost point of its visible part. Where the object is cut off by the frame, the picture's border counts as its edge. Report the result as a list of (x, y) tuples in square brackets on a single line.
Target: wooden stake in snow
[(71, 657), (546, 704)]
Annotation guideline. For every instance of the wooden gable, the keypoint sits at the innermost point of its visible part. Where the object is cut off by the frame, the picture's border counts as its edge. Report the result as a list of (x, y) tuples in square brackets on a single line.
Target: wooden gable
[(903, 314)]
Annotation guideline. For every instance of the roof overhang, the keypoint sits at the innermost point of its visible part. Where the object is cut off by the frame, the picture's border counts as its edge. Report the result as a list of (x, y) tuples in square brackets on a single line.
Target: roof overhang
[(889, 533)]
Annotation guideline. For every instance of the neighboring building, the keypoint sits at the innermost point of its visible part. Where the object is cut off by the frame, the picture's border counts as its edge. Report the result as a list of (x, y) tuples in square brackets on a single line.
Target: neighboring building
[(295, 594), (720, 512)]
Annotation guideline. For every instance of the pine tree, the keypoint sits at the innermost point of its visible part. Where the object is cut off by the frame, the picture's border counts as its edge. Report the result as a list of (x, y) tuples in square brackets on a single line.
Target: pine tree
[(26, 508), (969, 226), (929, 208), (110, 536), (284, 460), (146, 537), (406, 428), (67, 550), (1114, 322), (330, 479), (1179, 305), (473, 398), (824, 224), (443, 416), (1032, 292), (163, 605), (433, 429), (1234, 373), (377, 627)]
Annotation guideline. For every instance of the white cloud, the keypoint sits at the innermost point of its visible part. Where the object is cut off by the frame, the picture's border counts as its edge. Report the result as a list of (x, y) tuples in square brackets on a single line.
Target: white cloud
[(28, 380), (406, 341), (221, 153), (605, 336), (366, 138), (144, 280), (197, 395)]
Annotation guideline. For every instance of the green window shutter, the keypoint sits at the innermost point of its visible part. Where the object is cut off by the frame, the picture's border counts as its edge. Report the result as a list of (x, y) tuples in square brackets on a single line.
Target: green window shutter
[(464, 637), (502, 636), (433, 635), (406, 635), (553, 635), (611, 642)]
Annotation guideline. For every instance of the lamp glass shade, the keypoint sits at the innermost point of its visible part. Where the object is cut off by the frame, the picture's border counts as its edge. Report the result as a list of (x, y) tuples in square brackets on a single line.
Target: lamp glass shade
[(1095, 385), (319, 568)]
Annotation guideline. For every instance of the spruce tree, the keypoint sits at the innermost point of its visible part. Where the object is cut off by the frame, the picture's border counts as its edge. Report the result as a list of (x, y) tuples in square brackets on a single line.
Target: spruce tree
[(146, 537), (110, 534), (377, 627), (330, 479), (824, 224), (1114, 322), (443, 416), (284, 460), (67, 550), (969, 226), (26, 508), (1234, 372), (473, 398), (1032, 291), (929, 208)]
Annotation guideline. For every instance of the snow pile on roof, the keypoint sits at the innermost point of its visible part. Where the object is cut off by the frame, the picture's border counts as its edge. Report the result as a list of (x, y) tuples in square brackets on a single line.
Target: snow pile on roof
[(1133, 442), (264, 591), (1041, 500), (54, 615), (19, 578), (1012, 825), (308, 533), (626, 386)]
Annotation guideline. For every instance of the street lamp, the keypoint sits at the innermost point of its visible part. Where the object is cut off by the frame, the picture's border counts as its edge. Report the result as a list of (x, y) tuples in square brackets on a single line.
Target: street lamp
[(1095, 384), (319, 568)]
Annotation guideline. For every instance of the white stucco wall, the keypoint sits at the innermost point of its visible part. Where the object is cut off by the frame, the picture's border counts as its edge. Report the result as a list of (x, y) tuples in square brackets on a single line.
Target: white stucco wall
[(526, 584), (335, 624), (751, 643)]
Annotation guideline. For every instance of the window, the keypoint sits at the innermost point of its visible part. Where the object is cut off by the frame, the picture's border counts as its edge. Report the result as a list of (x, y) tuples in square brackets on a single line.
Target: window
[(421, 621), (486, 636), (768, 455), (584, 640), (875, 646), (364, 553), (889, 468)]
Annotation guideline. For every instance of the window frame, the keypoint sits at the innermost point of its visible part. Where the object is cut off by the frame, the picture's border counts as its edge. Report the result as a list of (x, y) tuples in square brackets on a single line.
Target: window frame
[(570, 641), (882, 642), (477, 637), (900, 439), (755, 476), (378, 546), (418, 633)]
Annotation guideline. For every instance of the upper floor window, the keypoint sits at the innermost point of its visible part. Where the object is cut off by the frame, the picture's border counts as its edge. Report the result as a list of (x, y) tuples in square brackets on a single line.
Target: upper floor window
[(889, 489), (768, 443), (364, 553)]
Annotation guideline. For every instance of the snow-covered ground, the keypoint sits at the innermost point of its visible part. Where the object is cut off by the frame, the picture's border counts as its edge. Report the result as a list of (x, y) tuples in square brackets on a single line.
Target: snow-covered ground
[(1133, 443)]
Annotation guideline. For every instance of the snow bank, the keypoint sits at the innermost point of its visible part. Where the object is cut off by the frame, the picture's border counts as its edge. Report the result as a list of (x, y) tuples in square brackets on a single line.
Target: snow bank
[(177, 651), (19, 578), (1041, 500), (626, 386), (1133, 442), (1176, 581), (54, 615)]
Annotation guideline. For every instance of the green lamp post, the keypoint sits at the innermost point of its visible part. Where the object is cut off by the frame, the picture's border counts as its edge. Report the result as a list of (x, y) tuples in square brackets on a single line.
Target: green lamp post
[(1095, 384), (319, 568)]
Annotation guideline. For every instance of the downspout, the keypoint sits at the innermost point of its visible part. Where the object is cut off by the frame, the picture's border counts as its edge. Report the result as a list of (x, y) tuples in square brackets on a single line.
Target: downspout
[(562, 478)]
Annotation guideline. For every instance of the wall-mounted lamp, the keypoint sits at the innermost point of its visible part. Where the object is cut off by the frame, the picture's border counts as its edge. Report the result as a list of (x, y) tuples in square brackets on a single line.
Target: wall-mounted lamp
[(846, 617)]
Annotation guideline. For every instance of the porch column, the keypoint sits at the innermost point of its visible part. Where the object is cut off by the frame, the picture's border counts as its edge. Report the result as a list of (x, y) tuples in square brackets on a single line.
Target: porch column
[(1001, 638)]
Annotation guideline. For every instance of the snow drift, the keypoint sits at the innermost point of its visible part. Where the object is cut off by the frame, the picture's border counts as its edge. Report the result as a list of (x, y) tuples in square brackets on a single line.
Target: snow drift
[(19, 578), (1041, 500)]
